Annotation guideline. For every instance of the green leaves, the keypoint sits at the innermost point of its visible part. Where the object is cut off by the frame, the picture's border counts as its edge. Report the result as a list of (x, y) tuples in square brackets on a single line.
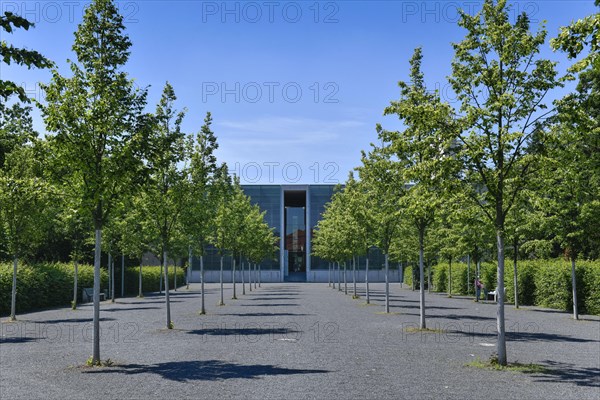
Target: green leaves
[(96, 113), (10, 53), (23, 197)]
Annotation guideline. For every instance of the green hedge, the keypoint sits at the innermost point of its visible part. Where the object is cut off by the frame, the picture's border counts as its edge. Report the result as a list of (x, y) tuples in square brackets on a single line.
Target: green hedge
[(150, 279), (51, 284), (408, 275), (545, 283), (459, 278)]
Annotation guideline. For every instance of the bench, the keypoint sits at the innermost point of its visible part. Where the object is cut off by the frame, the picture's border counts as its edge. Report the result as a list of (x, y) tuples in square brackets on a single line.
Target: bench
[(493, 295), (87, 295)]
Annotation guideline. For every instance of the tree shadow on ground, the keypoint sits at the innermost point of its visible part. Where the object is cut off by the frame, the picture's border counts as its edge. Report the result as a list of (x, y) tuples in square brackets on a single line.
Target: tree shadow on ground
[(7, 340), (273, 298), (210, 370), (278, 294), (563, 372), (259, 314), (66, 320), (184, 294), (381, 296), (529, 336), (131, 309), (249, 331), (456, 317), (271, 305), (426, 307)]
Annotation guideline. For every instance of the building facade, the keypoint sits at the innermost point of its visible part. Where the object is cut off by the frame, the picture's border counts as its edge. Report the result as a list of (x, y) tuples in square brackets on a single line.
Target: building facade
[(293, 212)]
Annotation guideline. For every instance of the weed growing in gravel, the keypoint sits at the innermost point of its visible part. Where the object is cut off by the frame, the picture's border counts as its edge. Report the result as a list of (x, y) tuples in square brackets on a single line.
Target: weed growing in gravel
[(106, 363), (516, 366), (425, 330)]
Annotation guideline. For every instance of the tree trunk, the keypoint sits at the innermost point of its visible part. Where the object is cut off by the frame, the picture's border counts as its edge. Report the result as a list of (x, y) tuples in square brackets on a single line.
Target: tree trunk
[(367, 280), (110, 275), (429, 277), (13, 300), (423, 325), (387, 285), (333, 274), (243, 280), (160, 280), (189, 270), (255, 276), (250, 275), (233, 278), (175, 275), (401, 274), (354, 276), (450, 277), (112, 279), (339, 273), (96, 322), (202, 309), (167, 300), (468, 274), (515, 276), (75, 276), (500, 296), (122, 275), (258, 275), (574, 285), (345, 280), (140, 289), (222, 302), (329, 275)]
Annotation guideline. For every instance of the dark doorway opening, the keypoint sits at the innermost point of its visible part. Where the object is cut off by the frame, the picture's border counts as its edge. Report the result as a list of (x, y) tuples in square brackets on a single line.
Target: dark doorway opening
[(295, 234)]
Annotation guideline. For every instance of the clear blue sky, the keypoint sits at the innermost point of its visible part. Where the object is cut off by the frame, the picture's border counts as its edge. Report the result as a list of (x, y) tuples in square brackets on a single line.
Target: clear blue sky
[(247, 63)]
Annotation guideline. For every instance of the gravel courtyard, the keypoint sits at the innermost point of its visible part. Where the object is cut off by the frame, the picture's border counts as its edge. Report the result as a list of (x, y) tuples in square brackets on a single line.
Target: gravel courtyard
[(297, 341)]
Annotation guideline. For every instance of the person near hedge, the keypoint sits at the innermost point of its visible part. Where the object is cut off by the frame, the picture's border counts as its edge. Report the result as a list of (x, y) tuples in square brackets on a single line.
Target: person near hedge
[(478, 287)]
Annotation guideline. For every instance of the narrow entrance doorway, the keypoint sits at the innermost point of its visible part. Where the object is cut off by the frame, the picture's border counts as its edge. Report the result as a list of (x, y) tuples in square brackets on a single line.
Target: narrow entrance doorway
[(295, 234)]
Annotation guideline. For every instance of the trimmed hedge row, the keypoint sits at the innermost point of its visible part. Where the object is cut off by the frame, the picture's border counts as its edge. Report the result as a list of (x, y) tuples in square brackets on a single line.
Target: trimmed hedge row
[(51, 284), (545, 283)]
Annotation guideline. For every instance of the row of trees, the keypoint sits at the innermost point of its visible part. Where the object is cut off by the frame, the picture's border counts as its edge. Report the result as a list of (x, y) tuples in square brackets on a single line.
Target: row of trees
[(506, 165), (110, 173)]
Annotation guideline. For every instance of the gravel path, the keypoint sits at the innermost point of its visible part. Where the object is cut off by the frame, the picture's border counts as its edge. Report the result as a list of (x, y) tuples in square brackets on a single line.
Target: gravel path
[(297, 341)]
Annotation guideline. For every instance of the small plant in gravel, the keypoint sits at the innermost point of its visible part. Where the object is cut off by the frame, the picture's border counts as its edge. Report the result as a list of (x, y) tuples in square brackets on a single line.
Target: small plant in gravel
[(106, 363), (516, 366), (171, 325), (424, 330), (355, 297)]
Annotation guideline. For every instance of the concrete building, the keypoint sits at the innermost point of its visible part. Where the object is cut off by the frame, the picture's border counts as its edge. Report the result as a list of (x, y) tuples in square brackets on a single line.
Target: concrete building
[(293, 211)]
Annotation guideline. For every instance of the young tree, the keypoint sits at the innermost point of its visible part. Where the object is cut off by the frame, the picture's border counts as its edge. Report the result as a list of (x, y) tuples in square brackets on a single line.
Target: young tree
[(136, 234), (568, 195), (501, 83), (22, 197), (221, 236), (236, 220), (201, 200), (423, 154), (384, 188), (94, 115), (74, 224), (164, 196), (362, 226)]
